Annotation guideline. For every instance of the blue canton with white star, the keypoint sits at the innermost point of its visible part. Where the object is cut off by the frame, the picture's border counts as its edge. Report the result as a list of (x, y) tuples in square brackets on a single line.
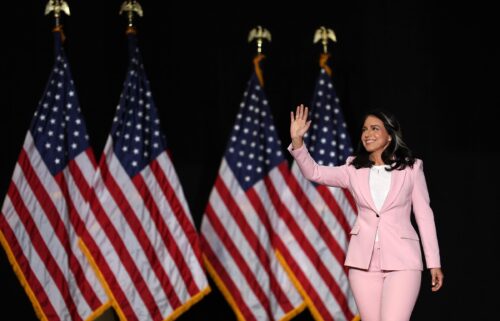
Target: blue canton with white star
[(327, 140), (136, 133), (254, 148), (58, 129)]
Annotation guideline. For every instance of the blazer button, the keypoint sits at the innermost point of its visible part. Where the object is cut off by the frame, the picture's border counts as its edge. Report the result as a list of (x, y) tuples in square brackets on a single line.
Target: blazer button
[(377, 214)]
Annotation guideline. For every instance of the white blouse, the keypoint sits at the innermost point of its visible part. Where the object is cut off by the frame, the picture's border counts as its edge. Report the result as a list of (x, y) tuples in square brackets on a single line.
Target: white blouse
[(380, 182)]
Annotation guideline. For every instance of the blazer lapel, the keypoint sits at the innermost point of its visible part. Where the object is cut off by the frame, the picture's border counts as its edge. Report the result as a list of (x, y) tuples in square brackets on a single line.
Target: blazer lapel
[(364, 186), (397, 180)]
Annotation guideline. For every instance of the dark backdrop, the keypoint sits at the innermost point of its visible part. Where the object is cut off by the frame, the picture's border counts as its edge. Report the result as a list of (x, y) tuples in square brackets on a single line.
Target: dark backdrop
[(433, 64)]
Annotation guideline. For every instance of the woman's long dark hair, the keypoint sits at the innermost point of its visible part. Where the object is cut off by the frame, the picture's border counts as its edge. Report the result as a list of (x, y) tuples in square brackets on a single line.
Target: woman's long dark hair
[(397, 154)]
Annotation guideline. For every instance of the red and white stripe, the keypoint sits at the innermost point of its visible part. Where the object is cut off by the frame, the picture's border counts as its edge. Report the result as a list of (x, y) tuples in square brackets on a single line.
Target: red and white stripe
[(314, 229), (40, 218), (142, 239), (237, 236)]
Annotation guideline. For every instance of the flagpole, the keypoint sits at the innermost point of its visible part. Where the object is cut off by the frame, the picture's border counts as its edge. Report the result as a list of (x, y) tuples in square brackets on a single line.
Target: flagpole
[(259, 34), (57, 6), (131, 6), (324, 34)]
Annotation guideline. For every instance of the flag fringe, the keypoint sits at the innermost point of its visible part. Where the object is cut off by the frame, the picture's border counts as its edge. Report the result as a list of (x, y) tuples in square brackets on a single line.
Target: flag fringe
[(312, 308), (293, 313), (225, 292), (20, 275), (102, 280), (114, 303), (186, 306), (229, 298), (97, 313)]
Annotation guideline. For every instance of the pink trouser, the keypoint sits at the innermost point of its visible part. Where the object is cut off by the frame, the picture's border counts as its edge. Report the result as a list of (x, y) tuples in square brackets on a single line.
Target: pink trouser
[(384, 295)]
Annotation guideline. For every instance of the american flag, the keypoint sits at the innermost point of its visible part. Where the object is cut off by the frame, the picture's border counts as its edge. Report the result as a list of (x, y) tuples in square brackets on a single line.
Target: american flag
[(237, 227), (142, 237), (317, 219), (42, 215)]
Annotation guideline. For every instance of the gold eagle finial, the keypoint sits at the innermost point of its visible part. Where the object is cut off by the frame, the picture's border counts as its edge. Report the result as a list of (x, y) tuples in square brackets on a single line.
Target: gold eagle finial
[(259, 34), (131, 6), (324, 34), (57, 6)]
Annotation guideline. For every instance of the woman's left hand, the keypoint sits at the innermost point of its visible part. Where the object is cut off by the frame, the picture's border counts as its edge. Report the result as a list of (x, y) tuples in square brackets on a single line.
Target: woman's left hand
[(437, 277)]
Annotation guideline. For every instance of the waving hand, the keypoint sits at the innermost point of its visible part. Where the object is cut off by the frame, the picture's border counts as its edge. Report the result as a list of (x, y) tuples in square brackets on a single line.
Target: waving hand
[(299, 125)]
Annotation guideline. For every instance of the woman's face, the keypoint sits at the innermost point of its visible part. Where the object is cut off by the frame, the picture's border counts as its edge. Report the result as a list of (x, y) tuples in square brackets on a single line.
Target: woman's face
[(374, 136)]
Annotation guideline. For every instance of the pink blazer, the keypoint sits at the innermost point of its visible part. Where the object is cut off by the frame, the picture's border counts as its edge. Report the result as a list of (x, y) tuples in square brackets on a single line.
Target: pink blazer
[(399, 242)]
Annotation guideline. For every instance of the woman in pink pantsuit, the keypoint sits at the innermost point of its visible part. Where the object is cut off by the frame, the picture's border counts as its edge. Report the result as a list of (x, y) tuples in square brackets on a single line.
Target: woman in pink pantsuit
[(387, 183)]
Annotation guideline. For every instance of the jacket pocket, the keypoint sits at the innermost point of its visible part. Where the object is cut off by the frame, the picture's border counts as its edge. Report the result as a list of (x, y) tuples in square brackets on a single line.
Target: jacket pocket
[(410, 235), (355, 230)]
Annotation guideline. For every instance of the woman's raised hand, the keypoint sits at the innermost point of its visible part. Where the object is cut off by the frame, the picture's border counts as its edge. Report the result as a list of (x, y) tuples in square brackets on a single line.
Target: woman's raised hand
[(299, 125)]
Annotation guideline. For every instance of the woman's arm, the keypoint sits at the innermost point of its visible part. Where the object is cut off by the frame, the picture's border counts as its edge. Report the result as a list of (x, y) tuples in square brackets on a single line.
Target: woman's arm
[(326, 175), (426, 225)]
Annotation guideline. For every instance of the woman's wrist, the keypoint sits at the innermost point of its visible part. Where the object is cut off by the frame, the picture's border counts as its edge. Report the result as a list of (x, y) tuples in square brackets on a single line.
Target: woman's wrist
[(297, 142)]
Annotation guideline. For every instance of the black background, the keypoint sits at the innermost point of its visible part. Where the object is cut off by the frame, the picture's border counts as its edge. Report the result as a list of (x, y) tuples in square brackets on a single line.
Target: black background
[(434, 64)]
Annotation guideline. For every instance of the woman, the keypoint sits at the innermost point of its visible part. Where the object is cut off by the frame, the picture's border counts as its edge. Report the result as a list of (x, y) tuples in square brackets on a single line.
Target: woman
[(387, 182)]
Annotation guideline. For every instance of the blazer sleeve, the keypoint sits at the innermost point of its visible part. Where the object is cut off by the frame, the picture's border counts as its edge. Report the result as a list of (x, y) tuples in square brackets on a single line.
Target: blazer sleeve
[(326, 175), (425, 217)]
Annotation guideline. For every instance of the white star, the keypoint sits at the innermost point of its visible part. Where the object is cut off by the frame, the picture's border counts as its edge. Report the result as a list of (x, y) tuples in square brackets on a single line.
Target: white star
[(57, 161), (134, 163), (47, 145), (74, 145), (59, 148), (136, 151), (71, 93), (76, 133), (247, 178), (124, 148)]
